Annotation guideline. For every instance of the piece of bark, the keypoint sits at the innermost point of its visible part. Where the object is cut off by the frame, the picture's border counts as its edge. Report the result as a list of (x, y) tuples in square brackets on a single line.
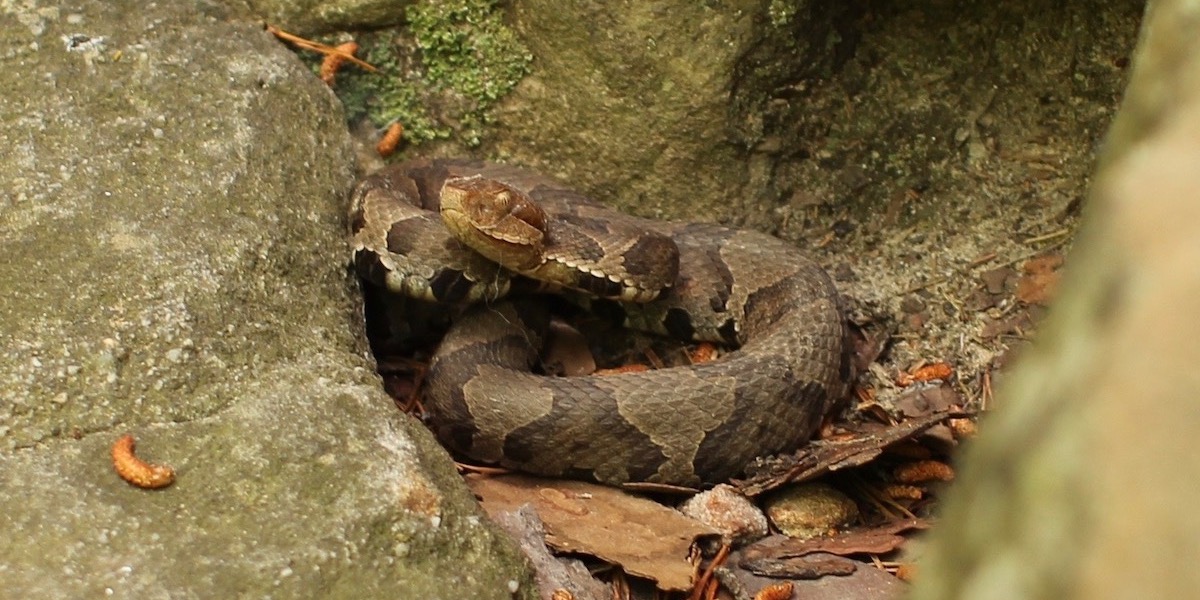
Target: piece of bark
[(551, 573), (644, 537), (822, 457), (863, 540)]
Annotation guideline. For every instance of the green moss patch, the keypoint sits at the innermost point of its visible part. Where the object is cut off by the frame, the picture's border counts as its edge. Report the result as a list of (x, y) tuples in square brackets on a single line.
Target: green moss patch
[(441, 75)]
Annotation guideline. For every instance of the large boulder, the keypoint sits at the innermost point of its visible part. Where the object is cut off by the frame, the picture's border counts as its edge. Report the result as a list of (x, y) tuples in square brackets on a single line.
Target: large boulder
[(175, 266), (1084, 483)]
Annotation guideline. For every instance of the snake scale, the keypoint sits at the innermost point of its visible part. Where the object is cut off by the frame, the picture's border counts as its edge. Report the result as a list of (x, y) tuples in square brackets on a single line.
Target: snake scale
[(687, 425)]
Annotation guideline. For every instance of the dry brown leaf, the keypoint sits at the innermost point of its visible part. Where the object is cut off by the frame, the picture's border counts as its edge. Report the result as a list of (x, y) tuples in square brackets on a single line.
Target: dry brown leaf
[(867, 540), (644, 537), (819, 458), (1040, 280), (1010, 326), (559, 578), (1043, 264), (923, 401), (995, 280), (567, 353)]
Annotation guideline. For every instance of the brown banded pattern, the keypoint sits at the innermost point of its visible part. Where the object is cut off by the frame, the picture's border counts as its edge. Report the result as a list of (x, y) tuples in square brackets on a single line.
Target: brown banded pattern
[(686, 425)]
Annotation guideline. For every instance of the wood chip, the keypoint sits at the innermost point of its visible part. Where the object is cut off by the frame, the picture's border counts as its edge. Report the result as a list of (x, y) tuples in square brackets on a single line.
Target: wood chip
[(644, 537)]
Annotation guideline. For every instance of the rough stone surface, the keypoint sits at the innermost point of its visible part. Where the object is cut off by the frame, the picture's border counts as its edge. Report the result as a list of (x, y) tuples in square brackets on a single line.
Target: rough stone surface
[(735, 516), (173, 235), (1084, 483), (656, 106), (308, 17)]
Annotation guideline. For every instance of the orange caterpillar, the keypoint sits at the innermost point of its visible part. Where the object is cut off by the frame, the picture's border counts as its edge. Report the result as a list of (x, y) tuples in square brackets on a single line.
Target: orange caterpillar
[(137, 471), (776, 591), (333, 62), (391, 139)]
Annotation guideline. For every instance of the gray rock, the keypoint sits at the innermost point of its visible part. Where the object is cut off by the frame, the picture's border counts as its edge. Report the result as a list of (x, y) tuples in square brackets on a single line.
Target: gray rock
[(173, 236), (1083, 483), (659, 108), (308, 17), (810, 510), (735, 516)]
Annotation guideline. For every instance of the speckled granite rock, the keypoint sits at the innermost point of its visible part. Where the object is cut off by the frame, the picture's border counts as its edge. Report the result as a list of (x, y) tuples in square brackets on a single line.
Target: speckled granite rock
[(172, 235)]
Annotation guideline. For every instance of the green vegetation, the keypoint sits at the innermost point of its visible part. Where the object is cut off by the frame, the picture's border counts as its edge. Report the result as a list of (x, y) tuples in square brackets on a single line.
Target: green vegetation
[(782, 12), (466, 47), (440, 78)]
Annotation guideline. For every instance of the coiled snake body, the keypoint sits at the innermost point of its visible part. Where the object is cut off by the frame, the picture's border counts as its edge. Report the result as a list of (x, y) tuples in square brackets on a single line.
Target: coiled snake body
[(684, 425)]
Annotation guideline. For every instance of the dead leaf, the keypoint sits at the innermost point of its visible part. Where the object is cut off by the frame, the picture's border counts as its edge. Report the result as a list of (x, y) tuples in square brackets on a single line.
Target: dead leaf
[(567, 352), (819, 458), (867, 540), (1040, 280), (800, 567), (995, 280), (1043, 264), (924, 401), (1010, 326), (644, 537), (555, 577)]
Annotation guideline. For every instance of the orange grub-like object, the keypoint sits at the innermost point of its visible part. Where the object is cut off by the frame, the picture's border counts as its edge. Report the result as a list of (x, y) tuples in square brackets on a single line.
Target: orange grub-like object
[(332, 62), (925, 373), (775, 591), (390, 140), (137, 471)]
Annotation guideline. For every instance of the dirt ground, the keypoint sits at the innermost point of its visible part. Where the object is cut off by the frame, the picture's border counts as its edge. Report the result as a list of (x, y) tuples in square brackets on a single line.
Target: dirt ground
[(962, 165)]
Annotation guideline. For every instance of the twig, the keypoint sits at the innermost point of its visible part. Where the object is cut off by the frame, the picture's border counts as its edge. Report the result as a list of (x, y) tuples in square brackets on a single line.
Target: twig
[(318, 47), (481, 470), (702, 584), (1048, 236)]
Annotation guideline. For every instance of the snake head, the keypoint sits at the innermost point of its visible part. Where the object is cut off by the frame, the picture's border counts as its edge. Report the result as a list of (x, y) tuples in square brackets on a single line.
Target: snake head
[(495, 219)]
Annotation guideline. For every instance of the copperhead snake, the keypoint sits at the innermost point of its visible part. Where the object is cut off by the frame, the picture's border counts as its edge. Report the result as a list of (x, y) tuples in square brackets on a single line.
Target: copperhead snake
[(685, 425)]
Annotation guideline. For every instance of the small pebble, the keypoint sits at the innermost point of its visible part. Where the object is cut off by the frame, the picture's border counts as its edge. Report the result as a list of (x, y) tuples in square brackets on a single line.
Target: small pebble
[(810, 509), (912, 305), (729, 512), (996, 279)]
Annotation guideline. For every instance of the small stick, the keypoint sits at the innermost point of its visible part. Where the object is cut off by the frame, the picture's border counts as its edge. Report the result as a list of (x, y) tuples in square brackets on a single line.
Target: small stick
[(318, 47), (1048, 236), (701, 585)]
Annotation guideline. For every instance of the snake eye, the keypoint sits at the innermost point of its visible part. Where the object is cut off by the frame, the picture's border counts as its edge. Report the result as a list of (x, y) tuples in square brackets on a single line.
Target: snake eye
[(529, 212)]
